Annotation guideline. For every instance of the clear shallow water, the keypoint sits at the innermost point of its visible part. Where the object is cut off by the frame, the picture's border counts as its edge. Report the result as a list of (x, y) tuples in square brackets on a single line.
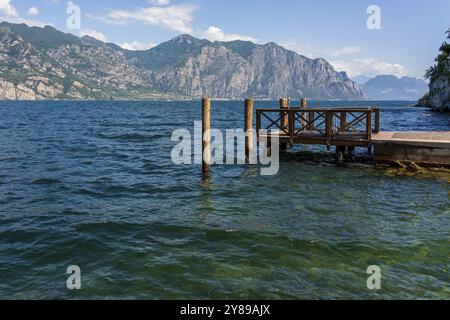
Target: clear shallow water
[(92, 184)]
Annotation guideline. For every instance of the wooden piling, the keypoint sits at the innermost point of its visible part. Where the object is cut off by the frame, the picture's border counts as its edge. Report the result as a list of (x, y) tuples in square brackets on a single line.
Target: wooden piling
[(304, 103), (377, 120), (343, 125), (311, 115), (248, 122), (206, 134), (284, 104), (340, 151)]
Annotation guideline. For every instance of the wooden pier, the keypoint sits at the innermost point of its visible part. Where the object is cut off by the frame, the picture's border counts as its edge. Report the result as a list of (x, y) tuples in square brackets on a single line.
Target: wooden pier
[(343, 128), (347, 128), (326, 126)]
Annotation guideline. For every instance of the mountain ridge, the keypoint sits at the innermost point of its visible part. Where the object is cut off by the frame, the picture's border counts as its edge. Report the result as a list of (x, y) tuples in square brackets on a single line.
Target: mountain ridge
[(390, 87), (44, 63)]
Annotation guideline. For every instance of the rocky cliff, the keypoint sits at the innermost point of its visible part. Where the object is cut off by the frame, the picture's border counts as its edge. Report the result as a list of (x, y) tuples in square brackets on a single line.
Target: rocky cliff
[(44, 63), (238, 69), (438, 97)]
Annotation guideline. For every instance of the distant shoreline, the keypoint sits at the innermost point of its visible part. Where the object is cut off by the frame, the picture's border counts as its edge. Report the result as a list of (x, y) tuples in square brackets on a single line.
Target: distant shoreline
[(198, 99)]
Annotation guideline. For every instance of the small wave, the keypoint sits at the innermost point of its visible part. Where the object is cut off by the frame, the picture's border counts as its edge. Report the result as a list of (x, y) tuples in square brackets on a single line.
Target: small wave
[(46, 181), (126, 137), (87, 192)]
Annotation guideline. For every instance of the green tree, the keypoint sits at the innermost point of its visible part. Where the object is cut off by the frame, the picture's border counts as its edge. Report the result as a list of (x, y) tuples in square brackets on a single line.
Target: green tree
[(442, 65)]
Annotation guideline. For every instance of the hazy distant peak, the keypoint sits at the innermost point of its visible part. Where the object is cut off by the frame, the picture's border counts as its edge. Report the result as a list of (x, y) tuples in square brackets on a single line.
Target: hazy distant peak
[(391, 87)]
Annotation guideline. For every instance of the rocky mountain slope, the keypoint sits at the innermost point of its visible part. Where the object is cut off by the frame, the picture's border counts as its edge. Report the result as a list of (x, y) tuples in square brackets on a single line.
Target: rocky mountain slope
[(237, 69), (438, 97), (388, 87), (44, 63)]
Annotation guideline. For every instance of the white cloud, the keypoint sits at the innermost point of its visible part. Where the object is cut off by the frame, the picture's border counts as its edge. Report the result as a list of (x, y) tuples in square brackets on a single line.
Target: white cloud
[(306, 50), (369, 67), (33, 11), (9, 13), (136, 45), (159, 2), (216, 34), (92, 33), (29, 22), (174, 17), (346, 51), (7, 9)]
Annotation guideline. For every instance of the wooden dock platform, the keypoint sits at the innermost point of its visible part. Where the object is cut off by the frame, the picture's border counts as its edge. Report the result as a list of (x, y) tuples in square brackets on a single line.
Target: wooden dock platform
[(347, 128), (327, 126)]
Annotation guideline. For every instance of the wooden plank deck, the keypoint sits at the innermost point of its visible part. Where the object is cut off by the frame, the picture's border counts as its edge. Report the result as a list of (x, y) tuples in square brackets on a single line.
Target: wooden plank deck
[(315, 137)]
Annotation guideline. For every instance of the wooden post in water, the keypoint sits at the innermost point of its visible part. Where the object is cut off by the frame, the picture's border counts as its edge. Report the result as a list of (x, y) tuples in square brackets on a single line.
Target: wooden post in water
[(248, 121), (343, 124), (369, 129), (284, 104), (340, 150), (377, 120), (303, 105), (206, 134)]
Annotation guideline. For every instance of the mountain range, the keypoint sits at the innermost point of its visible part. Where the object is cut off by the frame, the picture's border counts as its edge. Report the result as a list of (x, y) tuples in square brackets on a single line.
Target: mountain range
[(389, 87), (44, 63)]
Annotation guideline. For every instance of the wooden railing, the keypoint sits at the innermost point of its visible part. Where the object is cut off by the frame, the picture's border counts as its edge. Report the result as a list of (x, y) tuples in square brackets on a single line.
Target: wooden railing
[(330, 126)]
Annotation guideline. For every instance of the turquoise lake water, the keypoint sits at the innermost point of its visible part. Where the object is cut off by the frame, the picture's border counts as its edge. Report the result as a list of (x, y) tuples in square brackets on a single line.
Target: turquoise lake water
[(92, 184)]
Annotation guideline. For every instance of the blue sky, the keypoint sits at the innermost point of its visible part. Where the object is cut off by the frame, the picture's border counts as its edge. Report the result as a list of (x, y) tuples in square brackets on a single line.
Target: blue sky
[(408, 41)]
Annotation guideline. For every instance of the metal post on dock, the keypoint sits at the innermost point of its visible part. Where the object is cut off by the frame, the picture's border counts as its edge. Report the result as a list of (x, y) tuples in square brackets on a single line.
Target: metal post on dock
[(206, 134), (248, 122)]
